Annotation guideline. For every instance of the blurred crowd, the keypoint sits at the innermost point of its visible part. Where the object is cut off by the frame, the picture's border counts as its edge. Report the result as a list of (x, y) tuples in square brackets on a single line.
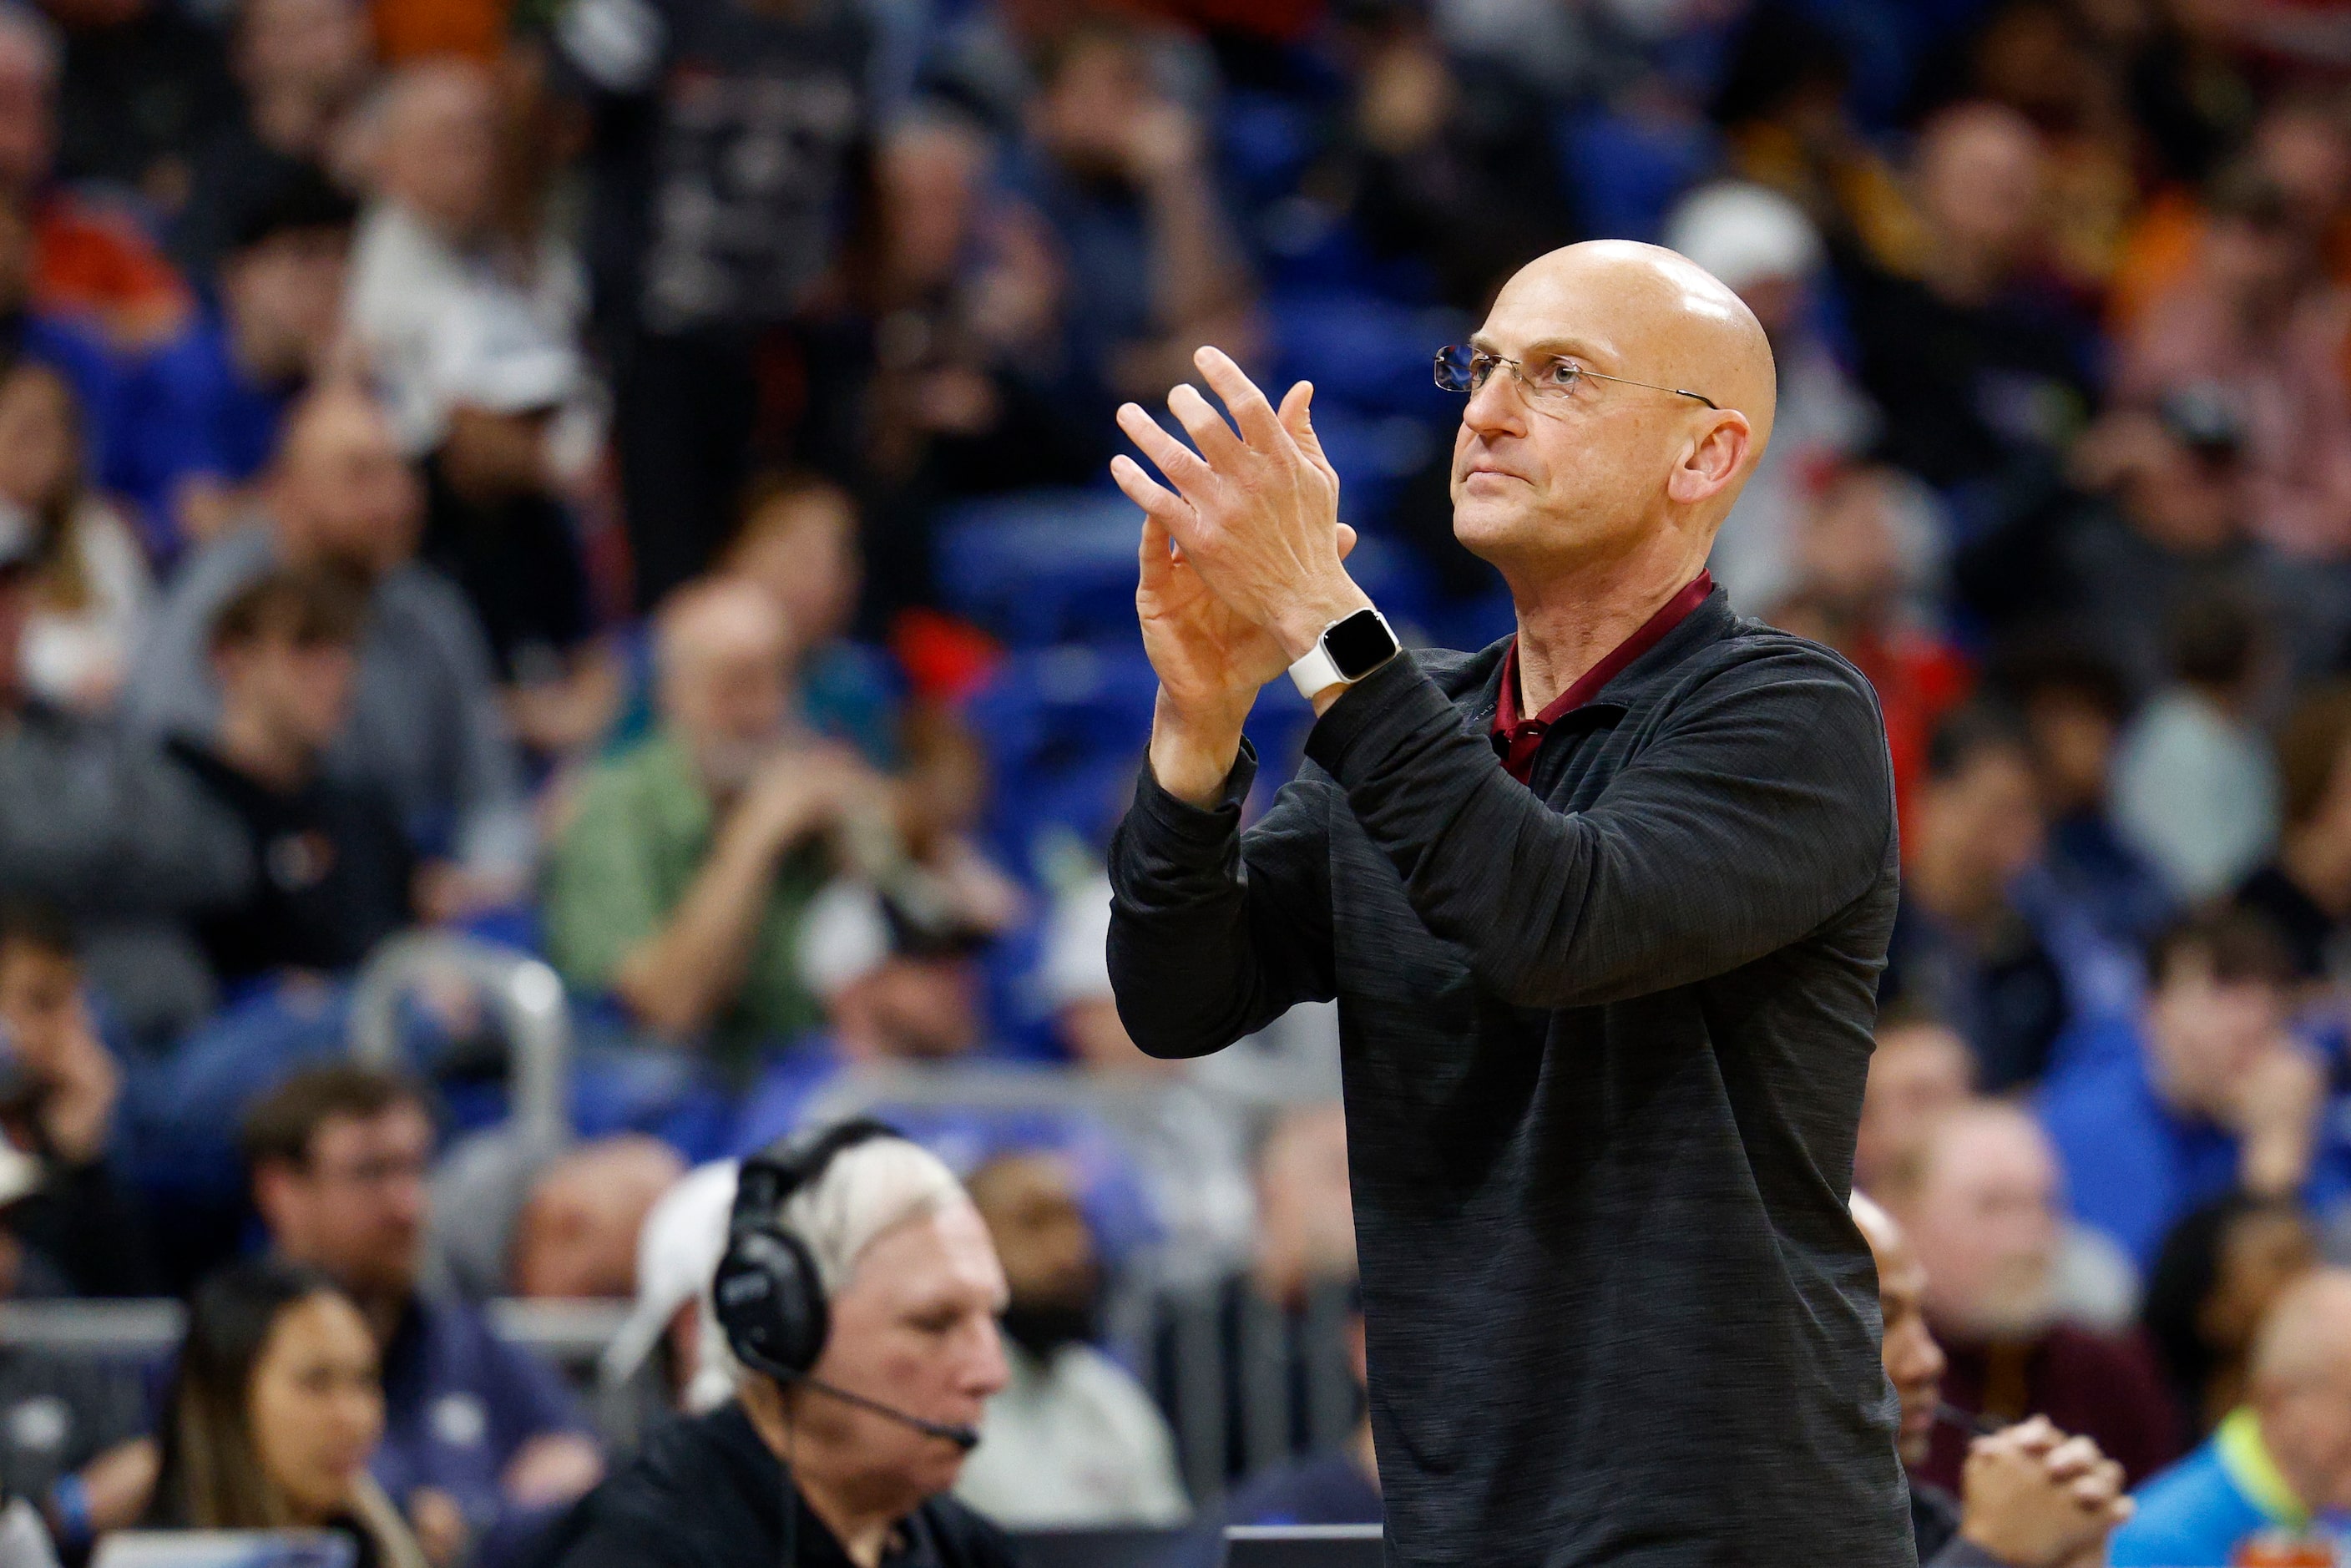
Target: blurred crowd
[(623, 481)]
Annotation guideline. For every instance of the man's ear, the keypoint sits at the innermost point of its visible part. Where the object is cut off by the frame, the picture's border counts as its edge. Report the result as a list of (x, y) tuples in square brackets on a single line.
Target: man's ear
[(1714, 461), (274, 1182)]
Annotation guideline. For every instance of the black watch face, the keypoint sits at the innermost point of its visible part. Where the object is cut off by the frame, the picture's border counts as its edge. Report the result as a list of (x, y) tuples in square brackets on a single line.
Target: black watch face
[(1359, 644)]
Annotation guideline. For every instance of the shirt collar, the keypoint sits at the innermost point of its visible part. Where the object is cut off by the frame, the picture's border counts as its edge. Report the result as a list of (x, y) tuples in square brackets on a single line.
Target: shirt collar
[(2245, 1458), (1652, 632)]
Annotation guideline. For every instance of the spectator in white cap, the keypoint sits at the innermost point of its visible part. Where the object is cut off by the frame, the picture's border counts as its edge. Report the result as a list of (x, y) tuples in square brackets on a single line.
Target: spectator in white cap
[(1762, 245), (673, 1322)]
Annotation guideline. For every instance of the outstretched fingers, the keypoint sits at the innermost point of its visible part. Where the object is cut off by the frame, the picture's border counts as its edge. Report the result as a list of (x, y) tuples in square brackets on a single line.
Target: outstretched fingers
[(1250, 410), (1179, 463), (1159, 504)]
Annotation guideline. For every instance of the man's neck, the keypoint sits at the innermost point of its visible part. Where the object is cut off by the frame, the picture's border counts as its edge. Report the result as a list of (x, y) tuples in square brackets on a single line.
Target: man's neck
[(1573, 618), (861, 1516), (251, 747)]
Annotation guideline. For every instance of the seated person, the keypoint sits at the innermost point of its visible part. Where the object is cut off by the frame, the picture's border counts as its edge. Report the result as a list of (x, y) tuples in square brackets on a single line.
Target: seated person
[(201, 415), (1984, 1210), (91, 586), (333, 873), (2220, 1271), (2278, 1460), (912, 1289), (57, 1106), (105, 829), (672, 1322), (576, 1236), (512, 1216), (482, 1441), (276, 1408), (682, 883), (891, 996), (799, 542), (425, 727), (2305, 889), (1073, 1441), (1983, 939), (2204, 1091), (2031, 1497)]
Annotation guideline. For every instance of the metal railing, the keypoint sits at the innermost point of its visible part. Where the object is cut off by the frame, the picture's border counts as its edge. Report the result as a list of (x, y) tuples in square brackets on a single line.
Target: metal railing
[(524, 992)]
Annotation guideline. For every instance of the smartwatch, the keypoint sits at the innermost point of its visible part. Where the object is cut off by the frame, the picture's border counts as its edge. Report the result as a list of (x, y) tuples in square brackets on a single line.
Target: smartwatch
[(1349, 649)]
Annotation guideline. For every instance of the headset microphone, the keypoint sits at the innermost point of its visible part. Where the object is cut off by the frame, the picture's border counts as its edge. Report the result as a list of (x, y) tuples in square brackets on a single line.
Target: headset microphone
[(962, 1437)]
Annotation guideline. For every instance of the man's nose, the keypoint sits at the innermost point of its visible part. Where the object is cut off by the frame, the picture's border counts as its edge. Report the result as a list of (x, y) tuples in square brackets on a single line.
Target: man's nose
[(1495, 408), (986, 1373)]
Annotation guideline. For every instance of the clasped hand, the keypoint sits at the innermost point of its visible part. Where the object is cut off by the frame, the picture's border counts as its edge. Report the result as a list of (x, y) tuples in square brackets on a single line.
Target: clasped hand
[(1240, 561)]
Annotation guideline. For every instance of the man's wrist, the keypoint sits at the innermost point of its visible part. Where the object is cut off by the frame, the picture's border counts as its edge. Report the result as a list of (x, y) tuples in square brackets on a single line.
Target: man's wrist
[(1191, 758), (1299, 625)]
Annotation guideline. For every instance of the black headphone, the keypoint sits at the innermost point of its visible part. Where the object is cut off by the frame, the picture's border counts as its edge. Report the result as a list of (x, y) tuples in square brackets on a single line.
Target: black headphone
[(767, 1293)]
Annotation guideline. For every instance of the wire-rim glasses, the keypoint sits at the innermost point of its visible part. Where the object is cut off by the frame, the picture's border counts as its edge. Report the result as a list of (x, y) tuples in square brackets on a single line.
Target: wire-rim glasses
[(1462, 369)]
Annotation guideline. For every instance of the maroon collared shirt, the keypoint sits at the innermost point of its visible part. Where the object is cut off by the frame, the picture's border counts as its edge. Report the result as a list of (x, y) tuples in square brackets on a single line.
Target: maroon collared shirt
[(1515, 739)]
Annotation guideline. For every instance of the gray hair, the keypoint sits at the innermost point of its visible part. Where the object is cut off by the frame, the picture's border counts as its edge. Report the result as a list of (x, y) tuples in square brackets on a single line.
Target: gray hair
[(867, 1190)]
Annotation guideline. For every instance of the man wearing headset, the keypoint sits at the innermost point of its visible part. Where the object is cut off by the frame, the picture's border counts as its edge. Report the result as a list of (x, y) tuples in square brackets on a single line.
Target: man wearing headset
[(859, 1295)]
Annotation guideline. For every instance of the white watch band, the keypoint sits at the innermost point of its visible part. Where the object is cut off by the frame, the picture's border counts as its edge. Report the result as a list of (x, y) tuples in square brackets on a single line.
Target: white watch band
[(1315, 672)]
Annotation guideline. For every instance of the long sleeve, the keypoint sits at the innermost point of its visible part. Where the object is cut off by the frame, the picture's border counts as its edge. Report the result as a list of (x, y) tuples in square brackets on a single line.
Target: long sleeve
[(1215, 933), (1758, 805)]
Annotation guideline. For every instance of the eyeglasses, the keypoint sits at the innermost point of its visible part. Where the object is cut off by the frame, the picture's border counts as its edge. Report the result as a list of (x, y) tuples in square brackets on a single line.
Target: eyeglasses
[(1460, 369)]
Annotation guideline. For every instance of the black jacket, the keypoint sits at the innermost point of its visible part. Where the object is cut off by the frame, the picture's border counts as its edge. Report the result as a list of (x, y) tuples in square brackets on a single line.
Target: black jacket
[(705, 1492), (1603, 1043)]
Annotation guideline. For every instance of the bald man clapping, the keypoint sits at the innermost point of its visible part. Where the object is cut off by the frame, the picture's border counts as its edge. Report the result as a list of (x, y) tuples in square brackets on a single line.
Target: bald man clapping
[(1603, 906)]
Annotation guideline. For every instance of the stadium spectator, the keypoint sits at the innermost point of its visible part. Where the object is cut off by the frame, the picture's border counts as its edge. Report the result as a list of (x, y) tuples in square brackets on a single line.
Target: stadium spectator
[(2151, 517), (1073, 1441), (105, 829), (333, 875), (82, 257), (672, 1322), (1122, 174), (2029, 1494), (91, 587), (2203, 1092), (77, 1216), (912, 1289), (2074, 707), (681, 884), (706, 281), (302, 67), (1861, 562), (577, 1234), (68, 344), (1761, 243), (1921, 1072), (800, 541), (2195, 787), (2279, 1461), (1974, 370), (141, 83), (1979, 940), (426, 725), (2220, 1271), (892, 993), (201, 416), (1982, 1212), (481, 1441), (2305, 889), (277, 1406), (2253, 315)]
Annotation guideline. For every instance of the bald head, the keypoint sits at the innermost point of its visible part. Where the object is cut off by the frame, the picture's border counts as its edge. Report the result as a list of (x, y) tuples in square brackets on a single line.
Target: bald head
[(2299, 1385), (341, 493), (722, 651), (1545, 481), (1984, 1215), (2307, 1338)]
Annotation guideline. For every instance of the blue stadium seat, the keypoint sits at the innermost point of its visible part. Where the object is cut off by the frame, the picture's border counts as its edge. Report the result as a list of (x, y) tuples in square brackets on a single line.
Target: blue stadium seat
[(1624, 171)]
